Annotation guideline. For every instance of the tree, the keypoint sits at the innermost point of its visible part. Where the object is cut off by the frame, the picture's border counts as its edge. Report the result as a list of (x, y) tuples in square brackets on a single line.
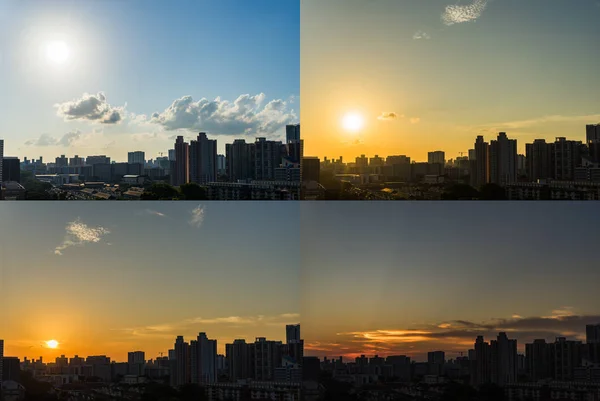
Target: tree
[(460, 192), (492, 192), (160, 191), (193, 191)]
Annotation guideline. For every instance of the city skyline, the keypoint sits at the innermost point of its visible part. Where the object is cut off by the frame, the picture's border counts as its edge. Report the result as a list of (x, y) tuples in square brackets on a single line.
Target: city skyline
[(138, 277), (410, 77), (418, 279), (115, 77)]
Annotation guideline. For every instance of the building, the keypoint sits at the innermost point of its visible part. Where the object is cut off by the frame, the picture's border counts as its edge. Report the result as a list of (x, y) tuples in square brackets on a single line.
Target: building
[(267, 157), (203, 360), (566, 356), (136, 361), (1, 157), (266, 356), (138, 157), (567, 157), (592, 331), (182, 369), (437, 156), (182, 162), (76, 161), (238, 360), (292, 133), (592, 133), (481, 173), (503, 160), (538, 360), (100, 159), (203, 160), (1, 355), (539, 161), (11, 169), (292, 333), (311, 169), (239, 160)]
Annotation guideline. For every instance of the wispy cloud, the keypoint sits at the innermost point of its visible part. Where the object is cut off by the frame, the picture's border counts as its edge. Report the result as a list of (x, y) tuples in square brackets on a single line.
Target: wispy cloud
[(168, 330), (387, 116), (415, 120), (518, 124), (456, 14), (78, 234), (421, 35), (154, 213), (197, 216)]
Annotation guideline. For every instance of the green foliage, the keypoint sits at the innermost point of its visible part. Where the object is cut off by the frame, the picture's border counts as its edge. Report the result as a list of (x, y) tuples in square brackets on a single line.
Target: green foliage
[(193, 191), (160, 191), (492, 192), (36, 190), (460, 192)]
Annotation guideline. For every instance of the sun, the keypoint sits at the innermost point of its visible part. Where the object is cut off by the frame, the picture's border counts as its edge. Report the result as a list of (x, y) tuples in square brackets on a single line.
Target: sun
[(352, 122), (52, 344), (57, 52)]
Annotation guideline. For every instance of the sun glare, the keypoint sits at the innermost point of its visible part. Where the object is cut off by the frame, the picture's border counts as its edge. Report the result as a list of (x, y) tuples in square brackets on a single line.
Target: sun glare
[(57, 52), (352, 122), (52, 344)]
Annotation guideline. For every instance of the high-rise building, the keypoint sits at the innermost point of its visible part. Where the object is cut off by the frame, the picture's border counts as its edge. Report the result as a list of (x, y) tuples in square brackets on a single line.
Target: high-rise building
[(539, 160), (592, 133), (481, 173), (1, 351), (503, 160), (503, 360), (239, 160), (292, 133), (138, 157), (567, 156), (266, 356), (61, 161), (100, 159), (311, 169), (11, 169), (482, 371), (203, 360), (76, 161), (592, 333), (221, 165), (181, 373), (538, 357), (203, 159), (267, 157), (171, 155), (136, 361), (438, 357), (182, 162), (1, 158), (437, 156), (567, 356), (292, 333), (238, 359)]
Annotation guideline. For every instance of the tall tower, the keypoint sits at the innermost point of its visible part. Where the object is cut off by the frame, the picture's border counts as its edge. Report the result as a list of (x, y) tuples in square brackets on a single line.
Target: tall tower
[(182, 162)]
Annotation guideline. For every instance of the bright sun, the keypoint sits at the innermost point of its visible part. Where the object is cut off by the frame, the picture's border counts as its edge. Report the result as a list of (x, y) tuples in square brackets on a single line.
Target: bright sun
[(52, 344), (352, 122), (57, 52)]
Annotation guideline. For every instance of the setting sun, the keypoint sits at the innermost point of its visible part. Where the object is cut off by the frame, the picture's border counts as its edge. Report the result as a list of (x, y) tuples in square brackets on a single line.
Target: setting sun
[(52, 344), (57, 52), (352, 122)]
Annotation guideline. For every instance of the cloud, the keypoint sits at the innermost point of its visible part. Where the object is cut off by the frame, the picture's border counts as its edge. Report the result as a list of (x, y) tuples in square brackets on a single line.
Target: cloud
[(197, 216), (415, 120), (154, 213), (66, 140), (421, 35), (246, 115), (388, 116), (168, 330), (79, 234), (587, 118), (456, 14), (91, 108), (459, 335)]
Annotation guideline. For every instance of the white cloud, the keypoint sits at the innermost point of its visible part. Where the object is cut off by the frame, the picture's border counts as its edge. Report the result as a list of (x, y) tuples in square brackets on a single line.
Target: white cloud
[(78, 234), (246, 115), (92, 108), (456, 14), (154, 213), (421, 35), (415, 120), (197, 216)]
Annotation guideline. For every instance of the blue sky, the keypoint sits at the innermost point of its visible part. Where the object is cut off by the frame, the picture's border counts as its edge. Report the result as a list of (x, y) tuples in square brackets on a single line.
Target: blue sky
[(143, 56), (418, 276), (110, 278)]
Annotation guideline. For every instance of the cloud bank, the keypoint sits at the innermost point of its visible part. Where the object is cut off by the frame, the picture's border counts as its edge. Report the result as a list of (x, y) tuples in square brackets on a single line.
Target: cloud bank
[(66, 140)]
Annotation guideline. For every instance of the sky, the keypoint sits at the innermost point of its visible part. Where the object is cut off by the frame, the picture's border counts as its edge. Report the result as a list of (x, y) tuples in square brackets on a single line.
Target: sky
[(425, 75), (108, 77), (108, 279), (381, 279)]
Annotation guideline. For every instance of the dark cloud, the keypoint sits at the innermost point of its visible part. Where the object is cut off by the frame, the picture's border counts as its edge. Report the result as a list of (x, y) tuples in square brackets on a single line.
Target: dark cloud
[(91, 108)]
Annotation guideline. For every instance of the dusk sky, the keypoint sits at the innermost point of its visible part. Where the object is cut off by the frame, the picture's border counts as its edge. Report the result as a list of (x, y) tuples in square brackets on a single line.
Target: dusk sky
[(107, 278), (382, 279), (107, 77), (393, 77)]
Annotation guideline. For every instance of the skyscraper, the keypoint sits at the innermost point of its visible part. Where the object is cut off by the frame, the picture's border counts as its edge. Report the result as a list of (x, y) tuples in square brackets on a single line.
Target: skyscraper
[(503, 160), (1, 160), (238, 358), (239, 160), (267, 157), (292, 133), (292, 333), (592, 133), (203, 360), (203, 159), (1, 348), (437, 156), (136, 157), (182, 162), (136, 361), (539, 160), (481, 174), (566, 157), (181, 374), (592, 333)]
